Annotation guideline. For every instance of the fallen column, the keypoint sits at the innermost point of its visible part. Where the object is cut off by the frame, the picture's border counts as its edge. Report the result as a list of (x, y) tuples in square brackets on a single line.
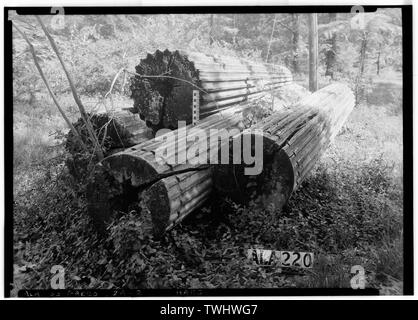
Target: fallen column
[(164, 81), (171, 199), (293, 141), (170, 188), (141, 164)]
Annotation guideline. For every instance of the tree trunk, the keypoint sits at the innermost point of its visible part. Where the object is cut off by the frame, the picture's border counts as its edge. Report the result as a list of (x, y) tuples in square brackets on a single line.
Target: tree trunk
[(378, 60), (271, 38), (211, 29), (363, 54), (331, 54), (313, 52), (295, 43), (359, 89)]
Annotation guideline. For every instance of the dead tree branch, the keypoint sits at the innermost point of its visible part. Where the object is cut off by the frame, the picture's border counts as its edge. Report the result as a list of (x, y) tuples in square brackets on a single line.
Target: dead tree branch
[(54, 98), (80, 105)]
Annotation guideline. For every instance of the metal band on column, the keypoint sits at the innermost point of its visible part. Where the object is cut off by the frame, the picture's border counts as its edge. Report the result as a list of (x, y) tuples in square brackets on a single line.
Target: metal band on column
[(196, 104)]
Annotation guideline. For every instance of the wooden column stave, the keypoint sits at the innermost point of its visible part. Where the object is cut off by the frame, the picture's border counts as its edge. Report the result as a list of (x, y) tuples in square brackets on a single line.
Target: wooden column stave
[(169, 201)]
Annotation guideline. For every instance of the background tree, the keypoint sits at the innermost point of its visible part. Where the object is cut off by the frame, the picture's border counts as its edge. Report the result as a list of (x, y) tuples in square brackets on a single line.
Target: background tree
[(331, 48), (313, 52)]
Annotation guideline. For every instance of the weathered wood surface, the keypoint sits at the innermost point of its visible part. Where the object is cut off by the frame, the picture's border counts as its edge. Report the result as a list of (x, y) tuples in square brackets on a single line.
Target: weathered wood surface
[(224, 81), (293, 141), (115, 131), (171, 199)]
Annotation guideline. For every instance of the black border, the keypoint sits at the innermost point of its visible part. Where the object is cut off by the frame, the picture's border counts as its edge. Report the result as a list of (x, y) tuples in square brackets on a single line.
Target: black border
[(407, 70), (407, 139), (8, 156)]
